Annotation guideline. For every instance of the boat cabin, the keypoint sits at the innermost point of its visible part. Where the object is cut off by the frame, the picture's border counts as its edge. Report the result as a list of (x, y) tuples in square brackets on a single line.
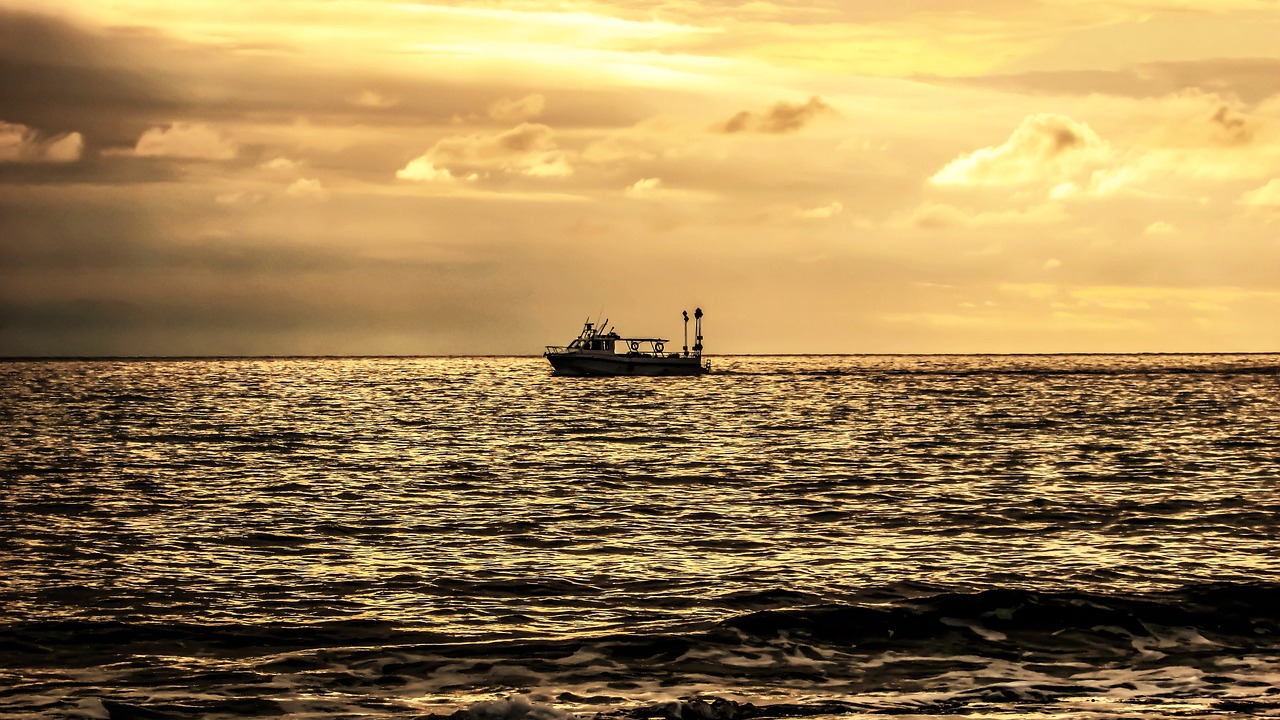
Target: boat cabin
[(592, 340)]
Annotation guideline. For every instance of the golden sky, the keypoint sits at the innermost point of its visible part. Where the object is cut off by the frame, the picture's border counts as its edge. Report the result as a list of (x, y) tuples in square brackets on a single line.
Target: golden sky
[(196, 177)]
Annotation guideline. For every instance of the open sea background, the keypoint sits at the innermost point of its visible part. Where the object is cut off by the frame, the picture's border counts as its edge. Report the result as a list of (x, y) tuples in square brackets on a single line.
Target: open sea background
[(824, 536)]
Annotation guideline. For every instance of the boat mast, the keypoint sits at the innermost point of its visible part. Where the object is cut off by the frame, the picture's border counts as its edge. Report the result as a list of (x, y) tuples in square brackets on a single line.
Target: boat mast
[(697, 329)]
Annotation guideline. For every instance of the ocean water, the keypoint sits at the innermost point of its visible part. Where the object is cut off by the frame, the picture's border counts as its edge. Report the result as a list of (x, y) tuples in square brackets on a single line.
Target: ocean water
[(834, 537)]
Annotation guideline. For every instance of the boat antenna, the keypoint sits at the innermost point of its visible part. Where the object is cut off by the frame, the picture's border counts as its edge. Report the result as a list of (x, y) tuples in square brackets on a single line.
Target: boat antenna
[(686, 333), (697, 329)]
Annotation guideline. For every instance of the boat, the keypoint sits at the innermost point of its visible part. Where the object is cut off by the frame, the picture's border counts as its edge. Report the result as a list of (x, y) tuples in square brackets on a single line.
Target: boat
[(600, 352)]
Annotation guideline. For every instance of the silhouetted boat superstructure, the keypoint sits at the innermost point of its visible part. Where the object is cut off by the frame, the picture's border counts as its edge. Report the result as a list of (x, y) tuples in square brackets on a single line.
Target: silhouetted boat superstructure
[(597, 352)]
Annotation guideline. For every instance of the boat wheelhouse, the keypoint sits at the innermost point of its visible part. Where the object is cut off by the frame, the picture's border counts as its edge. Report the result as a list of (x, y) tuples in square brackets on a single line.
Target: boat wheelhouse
[(599, 352)]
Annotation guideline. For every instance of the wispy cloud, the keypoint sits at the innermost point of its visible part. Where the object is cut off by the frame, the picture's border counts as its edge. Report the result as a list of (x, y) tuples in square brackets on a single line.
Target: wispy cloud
[(528, 149), (1045, 149), (1266, 196), (188, 141), (21, 144), (307, 189), (517, 110), (782, 117), (821, 212)]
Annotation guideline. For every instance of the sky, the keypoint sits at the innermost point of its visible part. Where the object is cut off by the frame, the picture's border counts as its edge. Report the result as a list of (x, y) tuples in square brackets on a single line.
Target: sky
[(382, 177)]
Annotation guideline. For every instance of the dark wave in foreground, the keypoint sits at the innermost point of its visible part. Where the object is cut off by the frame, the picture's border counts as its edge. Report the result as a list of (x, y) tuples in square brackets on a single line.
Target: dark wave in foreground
[(898, 616), (716, 708), (930, 654)]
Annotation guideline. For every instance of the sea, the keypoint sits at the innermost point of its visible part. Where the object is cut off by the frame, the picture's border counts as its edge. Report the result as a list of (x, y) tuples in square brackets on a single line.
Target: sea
[(472, 538)]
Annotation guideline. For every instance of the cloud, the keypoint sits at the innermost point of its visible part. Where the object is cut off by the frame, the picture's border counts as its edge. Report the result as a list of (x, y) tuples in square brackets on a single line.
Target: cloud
[(652, 139), (820, 213), (1251, 79), (1186, 136), (1266, 196), (1219, 125), (279, 163), (190, 141), (307, 189), (423, 169), (1106, 181), (57, 73), (1033, 291), (528, 149), (515, 111), (655, 190), (1159, 228), (936, 216), (239, 197), (21, 144), (371, 99), (783, 117), (646, 185), (1044, 149), (1231, 127)]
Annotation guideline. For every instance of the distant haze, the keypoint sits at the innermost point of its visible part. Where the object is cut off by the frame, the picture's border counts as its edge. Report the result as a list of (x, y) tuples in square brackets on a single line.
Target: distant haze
[(390, 177)]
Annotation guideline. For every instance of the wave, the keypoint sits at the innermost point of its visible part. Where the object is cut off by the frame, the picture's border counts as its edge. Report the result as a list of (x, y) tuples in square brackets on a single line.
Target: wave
[(1241, 611), (894, 649), (716, 708), (519, 707), (898, 618)]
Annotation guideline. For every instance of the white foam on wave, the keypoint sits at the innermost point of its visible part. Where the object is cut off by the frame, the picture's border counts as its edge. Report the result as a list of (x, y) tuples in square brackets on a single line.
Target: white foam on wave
[(584, 656), (515, 707), (92, 708), (978, 629)]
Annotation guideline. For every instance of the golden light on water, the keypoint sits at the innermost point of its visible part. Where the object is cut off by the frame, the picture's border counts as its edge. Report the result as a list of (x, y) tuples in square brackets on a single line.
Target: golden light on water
[(829, 536)]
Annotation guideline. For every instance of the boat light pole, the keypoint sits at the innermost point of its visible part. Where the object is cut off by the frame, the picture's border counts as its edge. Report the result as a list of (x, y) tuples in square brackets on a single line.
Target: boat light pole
[(697, 329), (686, 333)]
